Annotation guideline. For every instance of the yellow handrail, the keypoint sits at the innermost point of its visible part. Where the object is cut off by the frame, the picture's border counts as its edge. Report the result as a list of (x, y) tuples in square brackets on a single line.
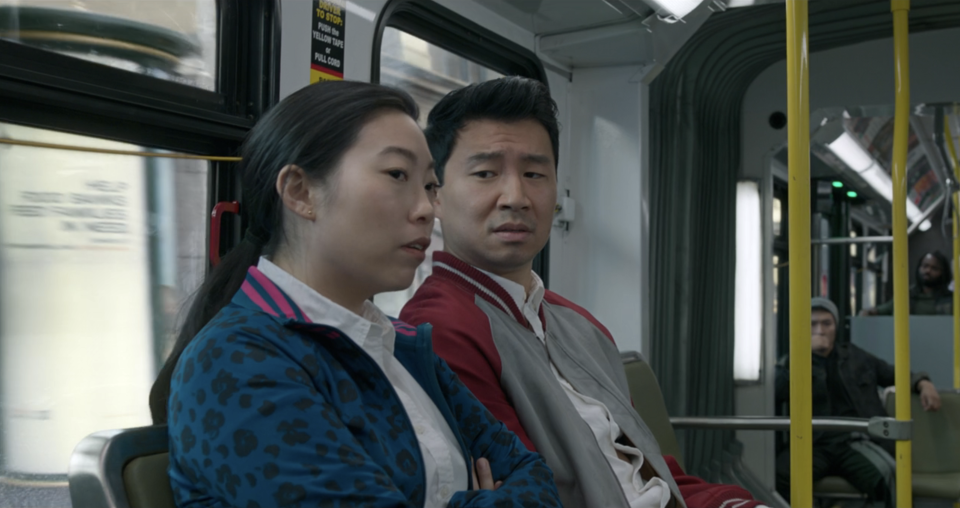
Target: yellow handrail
[(901, 276), (956, 256), (798, 130)]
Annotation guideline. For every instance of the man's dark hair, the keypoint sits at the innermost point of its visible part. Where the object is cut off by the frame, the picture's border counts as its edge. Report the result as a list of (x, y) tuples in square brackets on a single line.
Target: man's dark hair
[(946, 273), (509, 99)]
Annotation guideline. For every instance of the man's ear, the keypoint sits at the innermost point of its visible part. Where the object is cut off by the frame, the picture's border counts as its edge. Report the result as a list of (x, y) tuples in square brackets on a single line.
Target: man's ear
[(295, 191)]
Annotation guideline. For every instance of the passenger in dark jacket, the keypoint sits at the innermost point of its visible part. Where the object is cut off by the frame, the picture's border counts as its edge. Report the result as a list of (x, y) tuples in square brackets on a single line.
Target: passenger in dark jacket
[(845, 383), (931, 295), (288, 387)]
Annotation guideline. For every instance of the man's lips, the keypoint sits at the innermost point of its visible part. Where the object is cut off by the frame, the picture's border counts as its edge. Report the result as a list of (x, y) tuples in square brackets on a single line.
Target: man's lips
[(513, 232)]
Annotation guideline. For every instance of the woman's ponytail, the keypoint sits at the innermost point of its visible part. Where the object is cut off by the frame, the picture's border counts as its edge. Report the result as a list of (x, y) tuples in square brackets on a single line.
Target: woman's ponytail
[(215, 293)]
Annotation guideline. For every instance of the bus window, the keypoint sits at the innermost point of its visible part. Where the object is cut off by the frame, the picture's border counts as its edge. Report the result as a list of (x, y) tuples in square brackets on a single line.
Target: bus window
[(174, 40), (98, 255), (427, 72)]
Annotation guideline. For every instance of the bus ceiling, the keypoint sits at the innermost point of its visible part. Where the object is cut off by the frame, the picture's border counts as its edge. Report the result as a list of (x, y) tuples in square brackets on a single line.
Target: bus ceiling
[(598, 33)]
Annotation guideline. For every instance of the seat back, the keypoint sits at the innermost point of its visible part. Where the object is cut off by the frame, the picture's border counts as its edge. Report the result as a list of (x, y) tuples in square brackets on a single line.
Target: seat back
[(936, 435), (649, 404), (122, 469)]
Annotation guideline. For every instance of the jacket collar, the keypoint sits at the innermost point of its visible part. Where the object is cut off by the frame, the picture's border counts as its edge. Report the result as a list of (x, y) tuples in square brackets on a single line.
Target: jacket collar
[(259, 293), (448, 267)]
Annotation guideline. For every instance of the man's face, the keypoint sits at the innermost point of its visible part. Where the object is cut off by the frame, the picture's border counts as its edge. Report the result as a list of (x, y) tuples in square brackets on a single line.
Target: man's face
[(824, 330), (499, 193), (930, 271)]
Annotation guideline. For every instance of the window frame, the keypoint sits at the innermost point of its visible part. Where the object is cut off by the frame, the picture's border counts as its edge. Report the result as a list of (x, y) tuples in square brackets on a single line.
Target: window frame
[(48, 90), (452, 32)]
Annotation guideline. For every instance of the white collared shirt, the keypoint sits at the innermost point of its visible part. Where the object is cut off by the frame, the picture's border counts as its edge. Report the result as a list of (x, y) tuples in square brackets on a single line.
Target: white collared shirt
[(652, 494), (446, 469)]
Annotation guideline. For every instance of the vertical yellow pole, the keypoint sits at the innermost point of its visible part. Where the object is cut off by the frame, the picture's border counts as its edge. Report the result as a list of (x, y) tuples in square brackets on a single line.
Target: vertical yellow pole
[(901, 302), (956, 256), (798, 131)]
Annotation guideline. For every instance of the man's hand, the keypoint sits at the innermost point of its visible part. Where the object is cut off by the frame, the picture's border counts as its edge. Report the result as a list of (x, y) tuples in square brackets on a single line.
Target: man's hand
[(929, 398), (483, 477)]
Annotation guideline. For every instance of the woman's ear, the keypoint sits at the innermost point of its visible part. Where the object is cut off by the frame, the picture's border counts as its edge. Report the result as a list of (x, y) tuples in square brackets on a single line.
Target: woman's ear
[(294, 189)]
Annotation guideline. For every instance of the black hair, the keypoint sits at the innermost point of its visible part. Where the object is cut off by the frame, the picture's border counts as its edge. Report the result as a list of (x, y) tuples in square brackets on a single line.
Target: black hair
[(507, 99), (312, 129), (946, 273)]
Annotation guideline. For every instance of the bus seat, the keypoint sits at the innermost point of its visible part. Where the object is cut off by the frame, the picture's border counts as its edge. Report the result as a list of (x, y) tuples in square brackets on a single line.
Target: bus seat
[(649, 404), (653, 410), (936, 446), (122, 469)]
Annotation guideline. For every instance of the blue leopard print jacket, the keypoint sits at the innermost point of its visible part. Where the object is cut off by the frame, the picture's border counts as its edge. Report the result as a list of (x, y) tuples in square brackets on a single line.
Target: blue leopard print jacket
[(268, 409)]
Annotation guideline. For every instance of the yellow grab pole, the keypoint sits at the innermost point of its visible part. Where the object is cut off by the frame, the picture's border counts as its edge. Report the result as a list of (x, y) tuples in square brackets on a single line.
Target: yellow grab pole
[(956, 255), (798, 131), (901, 276)]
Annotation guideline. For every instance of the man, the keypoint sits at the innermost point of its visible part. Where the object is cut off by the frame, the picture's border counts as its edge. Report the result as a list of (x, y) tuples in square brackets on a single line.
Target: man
[(931, 294), (845, 382), (541, 364)]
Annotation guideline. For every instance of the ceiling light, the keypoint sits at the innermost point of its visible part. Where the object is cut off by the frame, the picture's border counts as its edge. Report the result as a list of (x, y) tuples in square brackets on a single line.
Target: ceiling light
[(859, 160), (675, 8), (877, 178), (851, 153), (838, 184), (731, 4), (925, 225), (851, 194)]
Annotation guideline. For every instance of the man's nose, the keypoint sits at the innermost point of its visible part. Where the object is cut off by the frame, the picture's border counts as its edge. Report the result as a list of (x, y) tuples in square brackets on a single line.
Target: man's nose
[(513, 196)]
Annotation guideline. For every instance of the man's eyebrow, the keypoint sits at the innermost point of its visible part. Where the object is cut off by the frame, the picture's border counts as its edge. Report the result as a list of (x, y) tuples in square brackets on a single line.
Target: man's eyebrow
[(487, 156), (399, 150), (484, 157), (537, 158)]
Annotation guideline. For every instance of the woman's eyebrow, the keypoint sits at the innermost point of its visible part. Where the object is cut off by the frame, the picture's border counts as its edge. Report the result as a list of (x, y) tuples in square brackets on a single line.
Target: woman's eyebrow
[(399, 150)]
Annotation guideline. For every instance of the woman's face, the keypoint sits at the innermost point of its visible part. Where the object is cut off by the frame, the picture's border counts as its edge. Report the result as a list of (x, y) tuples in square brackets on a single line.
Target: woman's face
[(375, 214)]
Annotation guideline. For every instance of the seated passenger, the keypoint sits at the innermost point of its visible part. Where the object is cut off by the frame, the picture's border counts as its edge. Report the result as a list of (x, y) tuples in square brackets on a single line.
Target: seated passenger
[(541, 364), (845, 383), (931, 294), (288, 387)]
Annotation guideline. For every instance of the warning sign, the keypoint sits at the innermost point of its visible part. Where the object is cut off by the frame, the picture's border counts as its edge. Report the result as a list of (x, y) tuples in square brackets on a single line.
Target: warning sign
[(326, 64)]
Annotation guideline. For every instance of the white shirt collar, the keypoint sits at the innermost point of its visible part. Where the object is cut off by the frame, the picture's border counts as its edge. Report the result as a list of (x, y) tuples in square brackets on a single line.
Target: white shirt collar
[(372, 331), (518, 293), (529, 305)]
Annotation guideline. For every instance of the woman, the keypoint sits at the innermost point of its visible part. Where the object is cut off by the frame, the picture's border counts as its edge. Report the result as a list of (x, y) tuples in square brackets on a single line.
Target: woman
[(287, 386)]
